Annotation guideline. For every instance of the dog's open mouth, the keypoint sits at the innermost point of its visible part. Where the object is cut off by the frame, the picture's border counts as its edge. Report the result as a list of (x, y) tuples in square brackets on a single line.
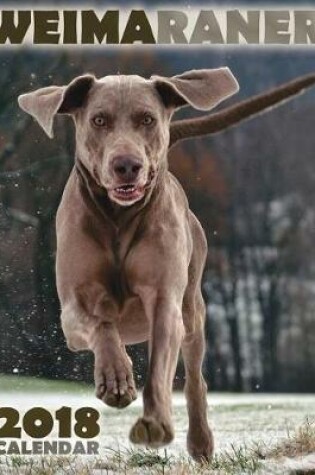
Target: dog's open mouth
[(128, 192)]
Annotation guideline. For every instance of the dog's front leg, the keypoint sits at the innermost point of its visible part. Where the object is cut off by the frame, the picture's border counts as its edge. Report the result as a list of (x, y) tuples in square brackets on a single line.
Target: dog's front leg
[(155, 427), (113, 368), (89, 321)]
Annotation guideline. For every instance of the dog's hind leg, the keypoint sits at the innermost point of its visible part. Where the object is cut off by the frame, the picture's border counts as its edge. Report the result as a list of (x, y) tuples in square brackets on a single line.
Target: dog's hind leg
[(155, 428), (199, 437)]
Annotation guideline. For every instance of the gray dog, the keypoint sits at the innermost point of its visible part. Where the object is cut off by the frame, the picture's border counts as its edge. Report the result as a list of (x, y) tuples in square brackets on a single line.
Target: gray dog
[(130, 253)]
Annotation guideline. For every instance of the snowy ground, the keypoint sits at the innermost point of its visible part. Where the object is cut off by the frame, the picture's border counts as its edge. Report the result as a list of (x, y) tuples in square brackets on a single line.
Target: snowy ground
[(237, 420)]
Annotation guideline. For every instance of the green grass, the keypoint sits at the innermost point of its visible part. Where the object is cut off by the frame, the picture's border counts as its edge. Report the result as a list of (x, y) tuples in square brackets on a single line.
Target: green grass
[(235, 461), (24, 384), (144, 462)]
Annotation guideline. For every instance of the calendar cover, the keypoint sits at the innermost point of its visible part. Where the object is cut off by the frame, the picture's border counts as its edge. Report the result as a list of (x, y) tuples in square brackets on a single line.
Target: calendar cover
[(157, 230)]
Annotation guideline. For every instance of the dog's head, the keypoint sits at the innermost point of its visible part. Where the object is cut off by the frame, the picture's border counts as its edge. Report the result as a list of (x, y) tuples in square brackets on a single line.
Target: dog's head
[(122, 122)]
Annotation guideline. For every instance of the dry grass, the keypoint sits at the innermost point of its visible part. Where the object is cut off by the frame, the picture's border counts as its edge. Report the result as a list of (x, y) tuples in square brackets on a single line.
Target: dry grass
[(300, 443)]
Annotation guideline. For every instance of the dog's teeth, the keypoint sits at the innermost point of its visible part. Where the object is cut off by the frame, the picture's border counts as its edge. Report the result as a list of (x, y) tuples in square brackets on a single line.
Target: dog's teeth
[(126, 190)]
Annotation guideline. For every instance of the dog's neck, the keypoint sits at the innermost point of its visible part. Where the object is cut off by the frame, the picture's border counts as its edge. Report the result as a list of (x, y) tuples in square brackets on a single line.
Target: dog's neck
[(120, 216)]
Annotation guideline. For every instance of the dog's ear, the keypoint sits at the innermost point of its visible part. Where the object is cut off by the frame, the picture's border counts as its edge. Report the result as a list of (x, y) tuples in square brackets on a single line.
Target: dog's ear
[(43, 104), (202, 89)]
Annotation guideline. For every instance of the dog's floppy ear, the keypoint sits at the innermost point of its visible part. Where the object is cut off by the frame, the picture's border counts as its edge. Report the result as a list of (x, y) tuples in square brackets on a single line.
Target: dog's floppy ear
[(202, 89), (43, 104)]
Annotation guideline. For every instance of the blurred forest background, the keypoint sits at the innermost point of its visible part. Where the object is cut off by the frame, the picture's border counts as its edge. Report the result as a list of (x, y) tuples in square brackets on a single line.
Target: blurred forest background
[(252, 187)]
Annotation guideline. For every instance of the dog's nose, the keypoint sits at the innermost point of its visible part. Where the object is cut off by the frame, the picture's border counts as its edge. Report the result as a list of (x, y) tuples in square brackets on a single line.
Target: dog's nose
[(126, 167)]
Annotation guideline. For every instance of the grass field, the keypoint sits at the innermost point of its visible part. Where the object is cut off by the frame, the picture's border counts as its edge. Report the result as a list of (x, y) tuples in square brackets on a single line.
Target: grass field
[(254, 434), (20, 384)]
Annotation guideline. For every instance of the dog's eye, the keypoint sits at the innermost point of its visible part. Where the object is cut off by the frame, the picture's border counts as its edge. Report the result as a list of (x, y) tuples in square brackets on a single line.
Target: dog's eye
[(147, 119), (99, 121)]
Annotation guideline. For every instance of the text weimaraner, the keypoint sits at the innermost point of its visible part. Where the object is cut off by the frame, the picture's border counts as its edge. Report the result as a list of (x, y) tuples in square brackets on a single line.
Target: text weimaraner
[(130, 253)]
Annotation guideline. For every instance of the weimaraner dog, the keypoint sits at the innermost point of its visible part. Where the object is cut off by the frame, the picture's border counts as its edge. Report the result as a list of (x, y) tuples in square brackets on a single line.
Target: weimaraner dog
[(130, 253)]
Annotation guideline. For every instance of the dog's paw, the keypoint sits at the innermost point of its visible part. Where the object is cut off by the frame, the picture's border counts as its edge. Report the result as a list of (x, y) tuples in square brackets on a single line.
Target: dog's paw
[(115, 386), (200, 444), (150, 432)]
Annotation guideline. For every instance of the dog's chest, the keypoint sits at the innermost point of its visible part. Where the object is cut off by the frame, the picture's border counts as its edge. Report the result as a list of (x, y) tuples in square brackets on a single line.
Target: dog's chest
[(131, 319), (117, 277)]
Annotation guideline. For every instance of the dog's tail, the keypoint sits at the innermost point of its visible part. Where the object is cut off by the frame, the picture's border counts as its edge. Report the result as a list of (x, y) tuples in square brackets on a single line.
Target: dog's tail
[(219, 121)]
